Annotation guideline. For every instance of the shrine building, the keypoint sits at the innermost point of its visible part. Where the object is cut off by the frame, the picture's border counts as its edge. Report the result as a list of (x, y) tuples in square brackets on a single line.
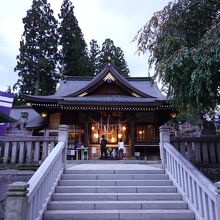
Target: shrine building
[(127, 108)]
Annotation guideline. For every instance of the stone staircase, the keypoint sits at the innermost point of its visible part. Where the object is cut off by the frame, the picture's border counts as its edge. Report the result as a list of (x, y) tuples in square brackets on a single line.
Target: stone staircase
[(116, 194)]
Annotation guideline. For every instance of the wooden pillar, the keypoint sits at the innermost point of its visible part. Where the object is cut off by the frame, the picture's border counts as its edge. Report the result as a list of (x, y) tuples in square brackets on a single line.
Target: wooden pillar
[(132, 136), (86, 135)]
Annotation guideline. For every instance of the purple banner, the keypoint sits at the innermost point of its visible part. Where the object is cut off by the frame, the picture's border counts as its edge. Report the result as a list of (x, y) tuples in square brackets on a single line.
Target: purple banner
[(6, 100)]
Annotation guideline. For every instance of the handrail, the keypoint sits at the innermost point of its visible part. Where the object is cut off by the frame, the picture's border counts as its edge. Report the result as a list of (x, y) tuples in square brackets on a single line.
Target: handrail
[(200, 193), (11, 138), (202, 180), (43, 182)]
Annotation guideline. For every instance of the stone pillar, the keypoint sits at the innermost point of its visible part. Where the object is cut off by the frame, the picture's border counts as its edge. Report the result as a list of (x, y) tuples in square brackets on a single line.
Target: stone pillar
[(16, 202), (63, 137), (217, 206), (164, 138)]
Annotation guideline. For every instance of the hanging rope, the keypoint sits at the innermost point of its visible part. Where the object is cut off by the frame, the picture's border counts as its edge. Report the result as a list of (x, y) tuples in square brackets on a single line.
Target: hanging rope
[(107, 130)]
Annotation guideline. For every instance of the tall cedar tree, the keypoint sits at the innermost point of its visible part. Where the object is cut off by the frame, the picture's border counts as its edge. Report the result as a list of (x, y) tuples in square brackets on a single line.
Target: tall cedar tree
[(36, 64), (94, 53), (73, 54), (184, 43), (109, 50)]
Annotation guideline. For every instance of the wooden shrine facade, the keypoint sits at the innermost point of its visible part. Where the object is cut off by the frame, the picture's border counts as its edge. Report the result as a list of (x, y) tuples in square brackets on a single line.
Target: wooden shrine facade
[(131, 109)]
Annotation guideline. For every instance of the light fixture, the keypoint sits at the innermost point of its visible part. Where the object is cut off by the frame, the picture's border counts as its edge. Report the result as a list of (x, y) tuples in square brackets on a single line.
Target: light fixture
[(43, 114), (123, 128), (93, 128), (119, 136), (173, 115)]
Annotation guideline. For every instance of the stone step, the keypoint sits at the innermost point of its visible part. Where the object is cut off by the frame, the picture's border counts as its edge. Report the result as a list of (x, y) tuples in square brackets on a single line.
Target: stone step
[(119, 215), (115, 196), (115, 183), (156, 171), (108, 205), (115, 189), (114, 177)]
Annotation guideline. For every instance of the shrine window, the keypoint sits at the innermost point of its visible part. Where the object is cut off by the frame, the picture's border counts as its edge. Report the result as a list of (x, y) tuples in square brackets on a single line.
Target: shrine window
[(144, 132)]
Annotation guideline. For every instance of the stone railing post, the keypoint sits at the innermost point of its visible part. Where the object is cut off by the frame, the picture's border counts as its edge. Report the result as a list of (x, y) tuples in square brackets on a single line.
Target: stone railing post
[(164, 137), (17, 201), (63, 137), (217, 204)]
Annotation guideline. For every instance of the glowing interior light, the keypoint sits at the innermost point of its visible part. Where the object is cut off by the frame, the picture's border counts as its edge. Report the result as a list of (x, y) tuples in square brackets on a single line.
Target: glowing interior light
[(123, 128), (44, 114), (96, 135), (140, 132), (119, 135), (93, 127)]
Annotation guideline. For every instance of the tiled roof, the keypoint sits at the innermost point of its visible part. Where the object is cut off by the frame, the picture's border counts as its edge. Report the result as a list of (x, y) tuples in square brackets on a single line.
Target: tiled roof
[(16, 113), (106, 99), (72, 87)]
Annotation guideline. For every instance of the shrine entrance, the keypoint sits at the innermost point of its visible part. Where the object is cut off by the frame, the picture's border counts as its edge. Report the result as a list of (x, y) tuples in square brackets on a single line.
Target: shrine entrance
[(114, 127)]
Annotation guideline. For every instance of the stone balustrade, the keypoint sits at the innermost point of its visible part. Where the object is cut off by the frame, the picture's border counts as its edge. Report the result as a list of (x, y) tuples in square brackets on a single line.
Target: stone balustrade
[(202, 196), (26, 149), (27, 201), (199, 150)]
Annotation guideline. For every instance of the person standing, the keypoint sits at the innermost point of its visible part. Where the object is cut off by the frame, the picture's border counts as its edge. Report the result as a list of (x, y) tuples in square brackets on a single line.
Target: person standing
[(103, 144), (120, 149)]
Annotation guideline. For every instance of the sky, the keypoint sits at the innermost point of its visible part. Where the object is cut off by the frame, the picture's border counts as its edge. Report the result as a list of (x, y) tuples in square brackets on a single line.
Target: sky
[(118, 20)]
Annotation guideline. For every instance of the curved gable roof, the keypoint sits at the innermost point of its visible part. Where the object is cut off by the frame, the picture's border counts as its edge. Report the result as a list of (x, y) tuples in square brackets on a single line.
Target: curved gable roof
[(109, 73)]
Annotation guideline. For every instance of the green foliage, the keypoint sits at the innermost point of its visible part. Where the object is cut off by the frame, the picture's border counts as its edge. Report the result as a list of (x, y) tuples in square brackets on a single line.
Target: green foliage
[(184, 44), (36, 63), (94, 53), (109, 50), (18, 167), (108, 53), (73, 54), (186, 116)]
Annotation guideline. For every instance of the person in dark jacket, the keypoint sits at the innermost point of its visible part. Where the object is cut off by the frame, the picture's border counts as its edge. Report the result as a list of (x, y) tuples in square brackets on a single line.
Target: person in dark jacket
[(103, 144)]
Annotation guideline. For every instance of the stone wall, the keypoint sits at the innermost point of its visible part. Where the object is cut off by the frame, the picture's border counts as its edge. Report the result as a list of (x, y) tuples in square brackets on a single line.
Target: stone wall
[(7, 177)]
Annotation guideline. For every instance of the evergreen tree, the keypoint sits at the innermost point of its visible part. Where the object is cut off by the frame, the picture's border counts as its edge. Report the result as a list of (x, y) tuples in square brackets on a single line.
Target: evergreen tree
[(36, 64), (109, 50), (73, 54), (94, 56)]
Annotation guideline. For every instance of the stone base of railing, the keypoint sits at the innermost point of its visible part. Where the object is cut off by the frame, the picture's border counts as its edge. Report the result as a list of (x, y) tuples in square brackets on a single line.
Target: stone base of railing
[(16, 202)]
